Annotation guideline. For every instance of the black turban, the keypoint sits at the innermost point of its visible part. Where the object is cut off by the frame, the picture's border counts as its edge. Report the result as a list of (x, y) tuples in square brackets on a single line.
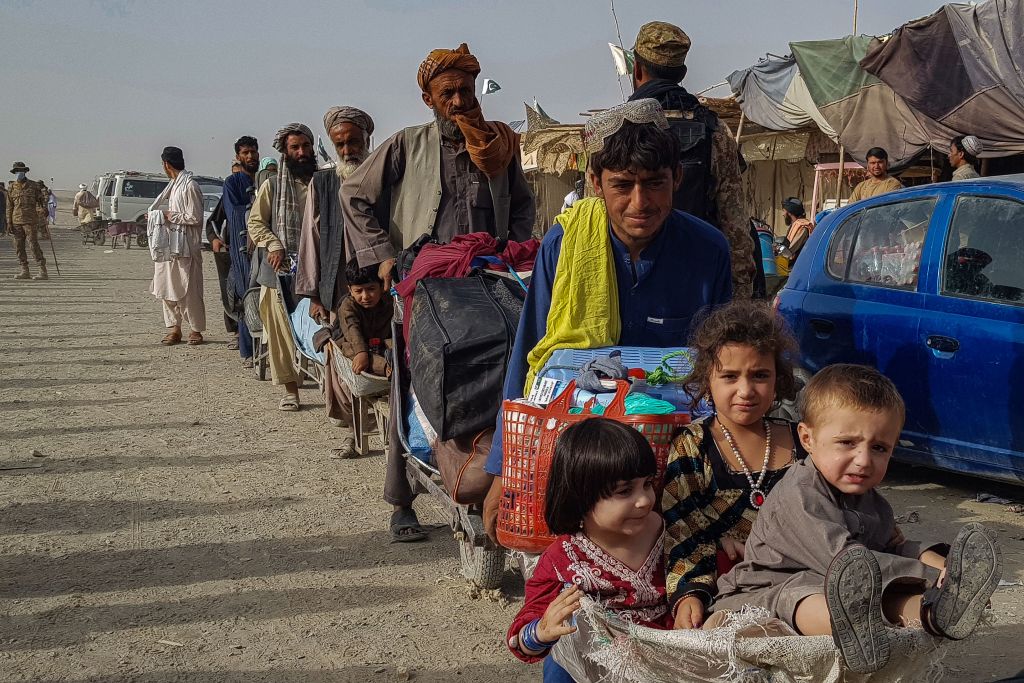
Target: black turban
[(794, 206)]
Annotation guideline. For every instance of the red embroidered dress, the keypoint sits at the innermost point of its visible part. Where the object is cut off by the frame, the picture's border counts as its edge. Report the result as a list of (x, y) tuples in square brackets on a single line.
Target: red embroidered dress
[(637, 597)]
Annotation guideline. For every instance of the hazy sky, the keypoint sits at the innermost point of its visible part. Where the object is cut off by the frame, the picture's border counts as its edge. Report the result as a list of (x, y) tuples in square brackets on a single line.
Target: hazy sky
[(93, 85)]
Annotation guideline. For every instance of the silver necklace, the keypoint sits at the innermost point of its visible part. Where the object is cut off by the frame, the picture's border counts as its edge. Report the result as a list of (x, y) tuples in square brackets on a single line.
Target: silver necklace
[(756, 493)]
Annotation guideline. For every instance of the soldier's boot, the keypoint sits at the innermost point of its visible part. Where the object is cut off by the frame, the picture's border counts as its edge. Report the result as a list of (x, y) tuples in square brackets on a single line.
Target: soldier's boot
[(23, 274), (42, 274)]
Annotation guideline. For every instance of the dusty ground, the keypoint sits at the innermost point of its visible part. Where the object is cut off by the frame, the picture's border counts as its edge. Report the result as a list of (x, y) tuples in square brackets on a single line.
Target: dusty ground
[(178, 528)]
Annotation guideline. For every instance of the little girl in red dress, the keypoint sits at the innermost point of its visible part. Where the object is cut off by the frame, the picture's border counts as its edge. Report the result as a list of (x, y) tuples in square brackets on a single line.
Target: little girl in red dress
[(601, 499)]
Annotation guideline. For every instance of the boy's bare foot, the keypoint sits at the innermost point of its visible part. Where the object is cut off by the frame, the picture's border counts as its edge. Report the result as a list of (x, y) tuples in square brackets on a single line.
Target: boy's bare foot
[(973, 569), (853, 592)]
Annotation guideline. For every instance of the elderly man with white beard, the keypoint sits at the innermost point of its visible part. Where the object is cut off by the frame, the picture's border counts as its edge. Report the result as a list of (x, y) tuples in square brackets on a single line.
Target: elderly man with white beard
[(323, 251)]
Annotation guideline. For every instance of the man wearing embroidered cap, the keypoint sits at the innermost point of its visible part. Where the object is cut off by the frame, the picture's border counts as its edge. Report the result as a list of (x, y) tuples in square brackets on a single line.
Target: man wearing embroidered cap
[(458, 174), (963, 156), (275, 224), (620, 268), (711, 188)]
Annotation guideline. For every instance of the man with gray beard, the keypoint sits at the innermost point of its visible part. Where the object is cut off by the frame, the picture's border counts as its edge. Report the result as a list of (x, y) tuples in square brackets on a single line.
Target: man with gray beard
[(323, 252)]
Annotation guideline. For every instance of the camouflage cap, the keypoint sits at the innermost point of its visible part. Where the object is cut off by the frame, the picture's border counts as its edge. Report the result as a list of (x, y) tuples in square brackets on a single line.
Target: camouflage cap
[(662, 44)]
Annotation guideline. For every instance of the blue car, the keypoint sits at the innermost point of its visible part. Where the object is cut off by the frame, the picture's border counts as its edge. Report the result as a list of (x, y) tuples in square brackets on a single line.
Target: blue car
[(927, 285)]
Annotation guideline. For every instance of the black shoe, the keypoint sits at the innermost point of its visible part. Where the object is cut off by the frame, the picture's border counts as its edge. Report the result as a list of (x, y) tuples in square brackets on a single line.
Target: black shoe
[(853, 591), (973, 569)]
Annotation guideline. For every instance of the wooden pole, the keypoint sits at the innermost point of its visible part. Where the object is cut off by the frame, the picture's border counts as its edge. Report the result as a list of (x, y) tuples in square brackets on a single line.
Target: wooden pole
[(618, 34), (842, 149), (739, 128)]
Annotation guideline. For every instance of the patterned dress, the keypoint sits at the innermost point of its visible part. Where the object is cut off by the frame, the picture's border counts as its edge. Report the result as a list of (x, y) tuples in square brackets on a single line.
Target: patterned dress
[(635, 596), (703, 501)]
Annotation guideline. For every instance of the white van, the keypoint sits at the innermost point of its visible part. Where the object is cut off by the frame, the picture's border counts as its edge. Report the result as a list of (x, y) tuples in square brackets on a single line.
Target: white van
[(125, 196)]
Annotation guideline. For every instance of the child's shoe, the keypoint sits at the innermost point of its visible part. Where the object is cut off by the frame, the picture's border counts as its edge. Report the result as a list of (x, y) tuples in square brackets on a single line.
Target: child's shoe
[(973, 569), (853, 591)]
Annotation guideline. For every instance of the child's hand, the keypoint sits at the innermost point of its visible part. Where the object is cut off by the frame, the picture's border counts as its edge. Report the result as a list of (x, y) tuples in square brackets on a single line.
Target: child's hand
[(360, 363), (553, 625), (689, 613), (733, 548)]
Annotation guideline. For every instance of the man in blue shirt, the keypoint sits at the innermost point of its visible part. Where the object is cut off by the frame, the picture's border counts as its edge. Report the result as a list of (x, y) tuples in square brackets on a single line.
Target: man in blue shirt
[(668, 264)]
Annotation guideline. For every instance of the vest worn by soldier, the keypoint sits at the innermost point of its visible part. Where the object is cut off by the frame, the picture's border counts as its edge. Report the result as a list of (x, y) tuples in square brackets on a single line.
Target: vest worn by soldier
[(694, 130), (27, 202)]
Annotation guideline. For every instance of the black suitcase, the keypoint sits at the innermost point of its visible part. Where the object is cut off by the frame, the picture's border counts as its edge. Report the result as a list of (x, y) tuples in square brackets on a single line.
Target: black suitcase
[(460, 339)]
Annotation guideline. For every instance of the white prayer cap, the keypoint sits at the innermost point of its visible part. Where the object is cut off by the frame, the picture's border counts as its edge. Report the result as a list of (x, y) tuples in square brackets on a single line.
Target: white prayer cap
[(972, 145)]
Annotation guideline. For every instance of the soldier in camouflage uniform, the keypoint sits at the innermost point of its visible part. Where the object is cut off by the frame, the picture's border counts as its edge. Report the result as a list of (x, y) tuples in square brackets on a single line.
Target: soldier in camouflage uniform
[(26, 216), (712, 188)]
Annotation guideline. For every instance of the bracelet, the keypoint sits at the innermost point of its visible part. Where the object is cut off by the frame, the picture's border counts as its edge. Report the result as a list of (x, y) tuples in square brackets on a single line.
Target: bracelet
[(528, 638)]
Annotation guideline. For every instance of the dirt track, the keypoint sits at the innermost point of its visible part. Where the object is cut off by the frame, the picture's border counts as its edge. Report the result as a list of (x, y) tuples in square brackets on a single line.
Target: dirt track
[(179, 528)]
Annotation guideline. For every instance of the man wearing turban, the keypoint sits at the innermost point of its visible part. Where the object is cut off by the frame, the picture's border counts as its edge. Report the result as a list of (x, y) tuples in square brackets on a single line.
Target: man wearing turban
[(323, 253), (275, 224), (455, 175)]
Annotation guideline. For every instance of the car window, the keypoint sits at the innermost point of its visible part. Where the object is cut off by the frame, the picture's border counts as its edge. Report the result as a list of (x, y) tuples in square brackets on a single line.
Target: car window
[(108, 191), (145, 189), (839, 250), (985, 250), (887, 247)]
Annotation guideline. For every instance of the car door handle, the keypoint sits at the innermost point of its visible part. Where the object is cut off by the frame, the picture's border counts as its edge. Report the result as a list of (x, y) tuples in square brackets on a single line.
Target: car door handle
[(943, 347), (823, 329)]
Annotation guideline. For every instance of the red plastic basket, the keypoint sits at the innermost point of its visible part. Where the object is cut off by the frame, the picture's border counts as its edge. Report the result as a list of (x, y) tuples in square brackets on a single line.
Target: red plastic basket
[(528, 445)]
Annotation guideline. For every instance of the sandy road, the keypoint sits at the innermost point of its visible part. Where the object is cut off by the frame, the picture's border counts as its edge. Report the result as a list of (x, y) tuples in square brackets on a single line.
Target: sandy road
[(179, 528)]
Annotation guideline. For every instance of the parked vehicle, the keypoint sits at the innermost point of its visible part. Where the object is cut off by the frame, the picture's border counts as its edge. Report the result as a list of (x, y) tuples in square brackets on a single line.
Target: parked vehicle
[(927, 285), (125, 196)]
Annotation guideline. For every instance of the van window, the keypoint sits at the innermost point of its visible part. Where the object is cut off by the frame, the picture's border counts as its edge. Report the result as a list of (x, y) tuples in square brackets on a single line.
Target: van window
[(145, 189), (108, 190), (887, 247), (984, 256)]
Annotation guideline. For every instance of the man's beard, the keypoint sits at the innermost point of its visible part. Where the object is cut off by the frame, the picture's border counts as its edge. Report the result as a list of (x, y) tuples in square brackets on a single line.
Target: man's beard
[(347, 166), (251, 168), (301, 168), (449, 129)]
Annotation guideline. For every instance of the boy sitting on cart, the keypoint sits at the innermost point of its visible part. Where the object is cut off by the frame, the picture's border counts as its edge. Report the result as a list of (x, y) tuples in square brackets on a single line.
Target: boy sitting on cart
[(621, 268)]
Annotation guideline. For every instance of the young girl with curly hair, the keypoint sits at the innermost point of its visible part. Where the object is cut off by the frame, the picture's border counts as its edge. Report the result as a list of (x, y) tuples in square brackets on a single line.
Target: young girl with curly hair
[(722, 467)]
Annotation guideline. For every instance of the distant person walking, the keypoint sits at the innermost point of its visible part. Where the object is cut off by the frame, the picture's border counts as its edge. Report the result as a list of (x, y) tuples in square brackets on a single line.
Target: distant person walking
[(85, 206), (176, 245), (51, 206), (878, 181), (26, 215), (963, 156)]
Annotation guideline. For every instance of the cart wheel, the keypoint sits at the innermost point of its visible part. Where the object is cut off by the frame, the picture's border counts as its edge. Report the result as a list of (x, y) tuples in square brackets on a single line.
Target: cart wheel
[(482, 566), (142, 240), (261, 368), (99, 237)]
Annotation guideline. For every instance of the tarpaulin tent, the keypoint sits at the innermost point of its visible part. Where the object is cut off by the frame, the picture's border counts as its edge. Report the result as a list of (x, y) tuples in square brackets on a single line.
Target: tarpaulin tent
[(863, 110), (773, 94), (960, 67)]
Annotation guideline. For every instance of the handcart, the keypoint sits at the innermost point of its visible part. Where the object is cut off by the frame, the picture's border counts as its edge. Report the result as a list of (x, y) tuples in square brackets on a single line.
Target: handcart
[(253, 322), (369, 394), (125, 232), (483, 563), (94, 232)]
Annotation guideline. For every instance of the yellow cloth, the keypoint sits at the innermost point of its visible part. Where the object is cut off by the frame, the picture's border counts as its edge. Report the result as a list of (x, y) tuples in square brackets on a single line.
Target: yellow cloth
[(584, 311)]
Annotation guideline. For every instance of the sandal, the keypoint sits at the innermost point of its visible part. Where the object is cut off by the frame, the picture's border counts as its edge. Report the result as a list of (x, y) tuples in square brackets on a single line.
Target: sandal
[(405, 526), (195, 339), (247, 363), (233, 344), (853, 593), (289, 404), (171, 339), (347, 450), (973, 570)]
